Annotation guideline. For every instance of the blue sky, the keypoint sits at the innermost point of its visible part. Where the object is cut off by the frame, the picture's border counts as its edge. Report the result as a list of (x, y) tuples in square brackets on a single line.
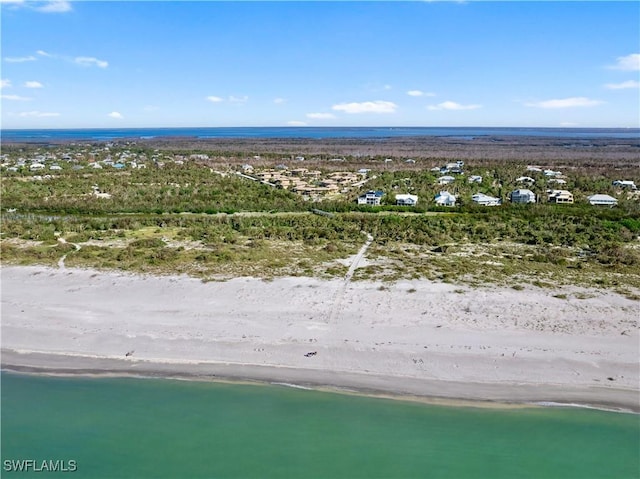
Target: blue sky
[(88, 64)]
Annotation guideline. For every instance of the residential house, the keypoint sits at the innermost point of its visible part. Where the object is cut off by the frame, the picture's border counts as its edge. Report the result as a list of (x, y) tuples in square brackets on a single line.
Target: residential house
[(444, 198), (406, 200), (485, 200), (557, 181), (475, 179), (445, 180), (525, 179), (455, 168), (560, 196), (625, 184), (522, 196), (371, 198), (602, 200)]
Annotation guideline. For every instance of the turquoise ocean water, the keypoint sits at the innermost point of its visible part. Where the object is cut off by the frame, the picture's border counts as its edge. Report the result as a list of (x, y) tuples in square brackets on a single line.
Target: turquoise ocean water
[(125, 427), (107, 134)]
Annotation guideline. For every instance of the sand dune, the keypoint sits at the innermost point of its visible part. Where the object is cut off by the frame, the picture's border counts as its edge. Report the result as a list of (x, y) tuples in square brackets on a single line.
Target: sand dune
[(416, 337)]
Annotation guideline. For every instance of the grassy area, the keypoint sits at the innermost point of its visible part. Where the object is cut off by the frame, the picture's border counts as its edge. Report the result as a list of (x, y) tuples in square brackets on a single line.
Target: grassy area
[(210, 249), (508, 265)]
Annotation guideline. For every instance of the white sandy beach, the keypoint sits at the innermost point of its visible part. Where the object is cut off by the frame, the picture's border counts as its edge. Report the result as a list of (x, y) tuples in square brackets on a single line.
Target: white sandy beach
[(440, 340)]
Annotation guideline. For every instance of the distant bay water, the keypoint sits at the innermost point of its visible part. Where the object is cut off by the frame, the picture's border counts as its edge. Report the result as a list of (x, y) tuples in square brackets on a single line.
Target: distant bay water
[(142, 428), (111, 134)]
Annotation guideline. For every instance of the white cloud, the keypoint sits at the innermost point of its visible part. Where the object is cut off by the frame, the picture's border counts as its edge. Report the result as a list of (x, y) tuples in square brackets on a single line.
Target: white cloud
[(116, 115), (572, 102), (296, 123), (415, 93), (90, 61), (30, 58), (238, 99), (54, 6), (453, 106), (378, 106), (33, 84), (43, 53), (279, 101), (419, 93), (38, 114), (230, 99), (568, 124), (630, 62), (320, 116), (47, 6), (623, 86), (5, 83), (15, 98)]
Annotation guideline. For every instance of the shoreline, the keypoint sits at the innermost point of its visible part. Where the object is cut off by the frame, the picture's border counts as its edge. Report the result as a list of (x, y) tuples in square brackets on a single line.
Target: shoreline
[(412, 339), (444, 393)]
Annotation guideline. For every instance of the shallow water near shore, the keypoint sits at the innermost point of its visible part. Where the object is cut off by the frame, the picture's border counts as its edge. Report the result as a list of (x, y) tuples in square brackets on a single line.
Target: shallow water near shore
[(128, 427)]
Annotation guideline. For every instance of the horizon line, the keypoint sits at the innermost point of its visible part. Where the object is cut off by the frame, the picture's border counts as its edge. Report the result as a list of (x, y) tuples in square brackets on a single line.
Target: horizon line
[(327, 127)]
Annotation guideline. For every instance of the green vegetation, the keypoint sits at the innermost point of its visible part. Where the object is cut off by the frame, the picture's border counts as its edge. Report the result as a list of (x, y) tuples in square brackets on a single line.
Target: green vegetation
[(183, 217)]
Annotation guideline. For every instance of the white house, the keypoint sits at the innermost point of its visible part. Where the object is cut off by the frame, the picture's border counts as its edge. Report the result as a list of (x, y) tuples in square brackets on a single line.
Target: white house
[(534, 168), (445, 180), (370, 198), (525, 179), (485, 200), (551, 173), (560, 196), (625, 184), (406, 200), (604, 200), (557, 181), (453, 168), (475, 179), (444, 198), (36, 166), (522, 196)]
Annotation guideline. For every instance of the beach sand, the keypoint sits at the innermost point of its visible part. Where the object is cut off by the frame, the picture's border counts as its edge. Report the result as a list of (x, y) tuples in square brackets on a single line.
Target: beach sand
[(411, 338)]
